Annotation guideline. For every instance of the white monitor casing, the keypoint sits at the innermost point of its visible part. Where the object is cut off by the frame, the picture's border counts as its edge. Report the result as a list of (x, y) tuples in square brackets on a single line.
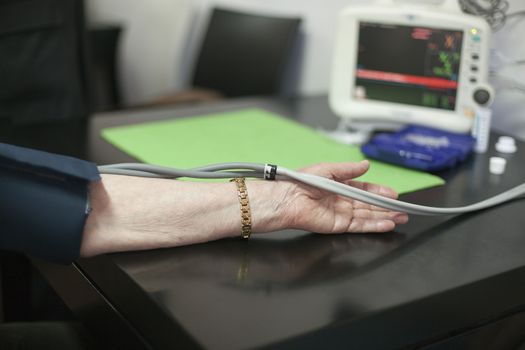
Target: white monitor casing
[(473, 71)]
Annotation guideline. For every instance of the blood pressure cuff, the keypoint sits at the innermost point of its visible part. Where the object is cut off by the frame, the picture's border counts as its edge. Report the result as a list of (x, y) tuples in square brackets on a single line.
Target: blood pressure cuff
[(44, 202)]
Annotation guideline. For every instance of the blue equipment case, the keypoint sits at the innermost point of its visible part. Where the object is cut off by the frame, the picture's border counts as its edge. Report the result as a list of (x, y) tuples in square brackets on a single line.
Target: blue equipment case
[(420, 148)]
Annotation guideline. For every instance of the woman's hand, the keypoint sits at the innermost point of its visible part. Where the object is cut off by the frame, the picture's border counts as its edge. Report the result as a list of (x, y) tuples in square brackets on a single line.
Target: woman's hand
[(316, 210)]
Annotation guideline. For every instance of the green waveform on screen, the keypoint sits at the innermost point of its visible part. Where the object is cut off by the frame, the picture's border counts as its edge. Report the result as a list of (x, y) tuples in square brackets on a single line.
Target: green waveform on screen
[(446, 59), (446, 69)]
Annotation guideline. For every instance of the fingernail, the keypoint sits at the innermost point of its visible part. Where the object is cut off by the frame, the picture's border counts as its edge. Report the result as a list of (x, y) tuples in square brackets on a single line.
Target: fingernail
[(401, 219)]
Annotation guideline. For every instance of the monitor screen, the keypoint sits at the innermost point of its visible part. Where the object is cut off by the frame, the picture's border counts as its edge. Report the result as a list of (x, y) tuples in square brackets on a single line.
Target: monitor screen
[(411, 65)]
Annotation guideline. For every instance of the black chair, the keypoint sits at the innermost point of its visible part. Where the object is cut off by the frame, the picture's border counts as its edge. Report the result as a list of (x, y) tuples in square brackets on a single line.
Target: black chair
[(245, 54), (103, 41), (241, 55), (43, 61), (52, 69)]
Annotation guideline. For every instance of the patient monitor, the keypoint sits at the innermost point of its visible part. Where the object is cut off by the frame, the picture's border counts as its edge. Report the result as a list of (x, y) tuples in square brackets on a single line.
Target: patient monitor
[(409, 62)]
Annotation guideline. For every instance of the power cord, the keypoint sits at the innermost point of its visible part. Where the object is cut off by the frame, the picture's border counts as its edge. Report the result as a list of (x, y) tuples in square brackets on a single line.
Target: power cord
[(494, 11)]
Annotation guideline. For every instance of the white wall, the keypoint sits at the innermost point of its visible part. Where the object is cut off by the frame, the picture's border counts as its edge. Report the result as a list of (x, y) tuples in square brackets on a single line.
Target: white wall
[(162, 38), (150, 54), (509, 105)]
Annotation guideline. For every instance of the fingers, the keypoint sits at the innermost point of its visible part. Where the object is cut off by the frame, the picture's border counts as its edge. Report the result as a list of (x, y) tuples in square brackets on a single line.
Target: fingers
[(384, 191), (373, 188), (397, 217), (374, 219), (371, 219), (339, 171), (366, 225), (376, 223)]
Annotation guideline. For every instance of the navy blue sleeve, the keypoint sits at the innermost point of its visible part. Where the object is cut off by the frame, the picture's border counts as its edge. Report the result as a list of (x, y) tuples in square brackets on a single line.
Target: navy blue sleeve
[(44, 202)]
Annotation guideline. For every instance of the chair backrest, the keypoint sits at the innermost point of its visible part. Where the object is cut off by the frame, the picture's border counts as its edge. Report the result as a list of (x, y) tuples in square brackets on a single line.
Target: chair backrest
[(103, 40), (43, 73), (244, 54)]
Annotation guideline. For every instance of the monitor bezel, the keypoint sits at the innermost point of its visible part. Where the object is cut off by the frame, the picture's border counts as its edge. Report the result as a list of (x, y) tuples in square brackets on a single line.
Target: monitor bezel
[(342, 99)]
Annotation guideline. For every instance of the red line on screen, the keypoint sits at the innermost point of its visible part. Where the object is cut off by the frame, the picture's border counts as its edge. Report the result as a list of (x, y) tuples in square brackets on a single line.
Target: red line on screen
[(436, 83)]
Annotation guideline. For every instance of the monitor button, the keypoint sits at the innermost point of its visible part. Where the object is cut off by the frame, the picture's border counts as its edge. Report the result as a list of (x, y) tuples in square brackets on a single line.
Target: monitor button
[(473, 80), (475, 56), (481, 96), (474, 68)]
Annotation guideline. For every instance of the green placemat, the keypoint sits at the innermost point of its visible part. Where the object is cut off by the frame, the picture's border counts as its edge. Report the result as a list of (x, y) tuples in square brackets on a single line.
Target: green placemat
[(250, 135)]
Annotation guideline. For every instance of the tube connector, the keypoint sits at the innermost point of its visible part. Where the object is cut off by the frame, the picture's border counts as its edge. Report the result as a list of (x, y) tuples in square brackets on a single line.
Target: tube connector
[(269, 171)]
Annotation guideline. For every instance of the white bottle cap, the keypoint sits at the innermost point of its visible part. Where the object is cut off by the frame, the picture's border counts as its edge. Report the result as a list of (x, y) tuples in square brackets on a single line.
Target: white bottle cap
[(506, 144), (497, 165)]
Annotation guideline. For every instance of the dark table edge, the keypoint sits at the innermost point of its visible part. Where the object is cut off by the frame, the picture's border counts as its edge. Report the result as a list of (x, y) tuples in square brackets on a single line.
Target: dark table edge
[(482, 303)]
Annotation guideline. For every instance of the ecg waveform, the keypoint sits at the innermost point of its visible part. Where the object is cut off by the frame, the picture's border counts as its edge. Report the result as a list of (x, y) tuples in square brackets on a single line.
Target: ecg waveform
[(443, 53)]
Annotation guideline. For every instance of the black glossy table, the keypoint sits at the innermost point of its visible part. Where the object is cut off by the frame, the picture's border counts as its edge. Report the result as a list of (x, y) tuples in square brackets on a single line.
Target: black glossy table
[(437, 282)]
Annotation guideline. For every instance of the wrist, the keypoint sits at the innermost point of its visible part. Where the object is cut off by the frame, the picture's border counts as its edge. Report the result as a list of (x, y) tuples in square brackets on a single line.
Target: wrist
[(268, 205)]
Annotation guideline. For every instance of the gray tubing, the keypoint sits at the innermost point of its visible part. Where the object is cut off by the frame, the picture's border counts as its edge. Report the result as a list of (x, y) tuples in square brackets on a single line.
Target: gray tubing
[(215, 171), (104, 169), (259, 168), (397, 205), (136, 169)]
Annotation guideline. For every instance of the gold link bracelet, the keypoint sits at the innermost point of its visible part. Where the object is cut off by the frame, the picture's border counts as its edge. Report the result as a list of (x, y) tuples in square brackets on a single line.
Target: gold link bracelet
[(246, 214)]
